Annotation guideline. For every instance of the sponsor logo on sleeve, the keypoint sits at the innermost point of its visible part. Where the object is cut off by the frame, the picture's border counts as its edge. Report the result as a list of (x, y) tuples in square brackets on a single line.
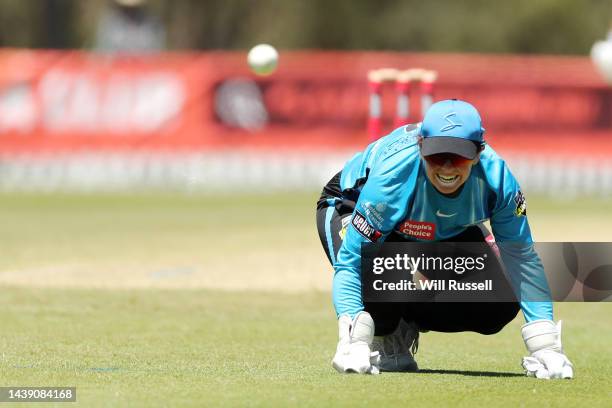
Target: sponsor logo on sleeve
[(375, 212), (345, 222), (366, 229), (418, 229), (521, 204)]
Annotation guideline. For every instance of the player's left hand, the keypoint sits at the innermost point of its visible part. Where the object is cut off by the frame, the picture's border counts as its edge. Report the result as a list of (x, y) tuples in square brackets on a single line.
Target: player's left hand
[(546, 360)]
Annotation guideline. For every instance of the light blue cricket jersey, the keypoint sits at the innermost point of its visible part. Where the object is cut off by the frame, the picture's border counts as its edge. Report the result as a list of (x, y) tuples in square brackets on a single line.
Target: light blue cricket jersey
[(397, 196)]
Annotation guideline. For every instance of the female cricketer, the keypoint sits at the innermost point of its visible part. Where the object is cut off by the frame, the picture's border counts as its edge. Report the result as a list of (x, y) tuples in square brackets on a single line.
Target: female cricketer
[(434, 181)]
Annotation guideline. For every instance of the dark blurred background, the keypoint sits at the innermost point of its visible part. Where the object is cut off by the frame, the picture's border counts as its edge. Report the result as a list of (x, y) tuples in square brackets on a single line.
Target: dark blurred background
[(517, 26), (90, 98)]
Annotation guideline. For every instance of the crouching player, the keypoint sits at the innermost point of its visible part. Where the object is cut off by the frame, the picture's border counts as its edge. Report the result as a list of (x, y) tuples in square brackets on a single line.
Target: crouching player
[(434, 181)]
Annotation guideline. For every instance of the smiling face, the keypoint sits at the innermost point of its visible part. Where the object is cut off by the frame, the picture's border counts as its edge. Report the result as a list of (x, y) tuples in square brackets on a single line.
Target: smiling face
[(447, 172)]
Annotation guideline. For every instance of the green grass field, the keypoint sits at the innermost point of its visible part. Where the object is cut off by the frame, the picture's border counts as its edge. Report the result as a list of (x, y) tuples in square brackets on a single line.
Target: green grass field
[(152, 300)]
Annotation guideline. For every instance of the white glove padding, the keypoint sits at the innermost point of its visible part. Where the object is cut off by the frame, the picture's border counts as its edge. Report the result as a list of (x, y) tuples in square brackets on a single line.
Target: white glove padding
[(353, 353), (546, 360)]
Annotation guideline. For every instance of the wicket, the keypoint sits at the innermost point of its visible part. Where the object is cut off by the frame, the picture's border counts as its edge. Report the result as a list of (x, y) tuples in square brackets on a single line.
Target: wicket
[(403, 81)]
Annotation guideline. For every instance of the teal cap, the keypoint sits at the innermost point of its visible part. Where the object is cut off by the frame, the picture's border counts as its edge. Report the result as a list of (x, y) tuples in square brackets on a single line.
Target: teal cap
[(452, 126)]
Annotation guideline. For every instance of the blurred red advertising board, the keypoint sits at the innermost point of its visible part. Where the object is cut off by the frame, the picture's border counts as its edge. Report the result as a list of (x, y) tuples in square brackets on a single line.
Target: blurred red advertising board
[(75, 100)]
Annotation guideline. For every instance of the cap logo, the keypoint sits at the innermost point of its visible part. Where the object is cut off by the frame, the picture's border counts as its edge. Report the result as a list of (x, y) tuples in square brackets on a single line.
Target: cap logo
[(451, 124)]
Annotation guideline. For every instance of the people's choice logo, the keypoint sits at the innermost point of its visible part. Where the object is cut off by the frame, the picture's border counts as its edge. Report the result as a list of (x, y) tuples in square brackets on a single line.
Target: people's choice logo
[(418, 229), (451, 124)]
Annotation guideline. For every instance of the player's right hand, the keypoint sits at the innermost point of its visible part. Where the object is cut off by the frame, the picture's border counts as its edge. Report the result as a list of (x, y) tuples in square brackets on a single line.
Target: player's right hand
[(353, 352)]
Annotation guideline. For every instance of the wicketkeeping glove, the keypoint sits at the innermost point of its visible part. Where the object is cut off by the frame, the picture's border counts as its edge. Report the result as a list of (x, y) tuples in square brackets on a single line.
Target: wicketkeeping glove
[(546, 360), (353, 353)]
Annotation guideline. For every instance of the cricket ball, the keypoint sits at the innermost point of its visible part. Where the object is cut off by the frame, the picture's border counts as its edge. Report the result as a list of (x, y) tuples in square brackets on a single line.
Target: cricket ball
[(601, 54), (263, 59)]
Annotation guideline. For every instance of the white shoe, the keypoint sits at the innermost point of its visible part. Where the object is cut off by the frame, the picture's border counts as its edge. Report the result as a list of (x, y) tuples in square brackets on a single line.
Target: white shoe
[(398, 348)]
